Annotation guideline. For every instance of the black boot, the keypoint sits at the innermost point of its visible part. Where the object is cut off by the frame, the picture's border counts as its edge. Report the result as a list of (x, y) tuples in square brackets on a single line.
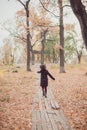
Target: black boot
[(46, 92), (43, 93)]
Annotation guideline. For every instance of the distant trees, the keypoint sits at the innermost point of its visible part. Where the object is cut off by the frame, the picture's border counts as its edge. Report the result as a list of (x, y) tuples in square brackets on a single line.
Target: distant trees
[(73, 46), (61, 26), (12, 51), (80, 11), (51, 52), (40, 24), (39, 21), (7, 53)]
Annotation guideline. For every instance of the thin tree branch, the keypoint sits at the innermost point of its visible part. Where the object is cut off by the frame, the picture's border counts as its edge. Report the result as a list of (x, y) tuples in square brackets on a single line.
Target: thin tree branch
[(50, 39), (21, 38), (17, 36), (34, 43), (22, 3), (28, 1), (66, 6), (50, 26), (47, 9)]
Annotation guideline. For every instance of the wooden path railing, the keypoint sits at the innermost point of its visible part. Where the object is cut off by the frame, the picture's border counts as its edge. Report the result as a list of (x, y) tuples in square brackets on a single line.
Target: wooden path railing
[(46, 112)]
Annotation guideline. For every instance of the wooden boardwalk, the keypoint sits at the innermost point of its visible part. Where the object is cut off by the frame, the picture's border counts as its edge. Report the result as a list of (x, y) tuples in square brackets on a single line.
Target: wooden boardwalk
[(46, 112)]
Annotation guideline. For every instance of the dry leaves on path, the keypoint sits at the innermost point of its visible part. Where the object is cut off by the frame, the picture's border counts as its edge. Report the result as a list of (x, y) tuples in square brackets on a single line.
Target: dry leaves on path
[(70, 90), (17, 91), (16, 94)]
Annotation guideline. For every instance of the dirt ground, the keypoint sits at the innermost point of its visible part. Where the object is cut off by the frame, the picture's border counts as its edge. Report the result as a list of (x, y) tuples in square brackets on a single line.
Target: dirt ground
[(17, 90)]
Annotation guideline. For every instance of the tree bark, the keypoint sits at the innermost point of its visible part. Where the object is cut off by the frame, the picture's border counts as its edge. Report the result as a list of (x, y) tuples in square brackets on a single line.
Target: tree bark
[(79, 59), (33, 57), (43, 36), (53, 55), (28, 37), (62, 58), (79, 55), (42, 50), (81, 14)]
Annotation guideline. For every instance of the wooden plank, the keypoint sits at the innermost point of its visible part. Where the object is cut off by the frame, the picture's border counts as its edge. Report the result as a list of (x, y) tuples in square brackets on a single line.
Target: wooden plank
[(39, 121), (59, 125), (54, 126), (34, 114), (57, 121), (34, 120), (51, 100), (51, 94), (44, 124), (63, 120), (50, 114), (47, 104), (48, 93), (46, 121), (54, 104), (50, 119), (49, 126)]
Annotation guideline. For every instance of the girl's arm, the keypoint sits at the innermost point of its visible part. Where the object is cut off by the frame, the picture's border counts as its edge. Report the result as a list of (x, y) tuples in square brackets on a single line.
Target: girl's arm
[(50, 76), (39, 71)]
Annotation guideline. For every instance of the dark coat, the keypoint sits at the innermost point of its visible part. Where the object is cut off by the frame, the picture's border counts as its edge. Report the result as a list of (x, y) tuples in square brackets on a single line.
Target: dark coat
[(44, 77)]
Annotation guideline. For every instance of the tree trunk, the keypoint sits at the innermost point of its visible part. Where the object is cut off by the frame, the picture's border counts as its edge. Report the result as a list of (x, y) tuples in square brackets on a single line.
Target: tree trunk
[(12, 60), (79, 54), (79, 59), (28, 38), (62, 69), (43, 36), (53, 55), (42, 50), (33, 57), (80, 12)]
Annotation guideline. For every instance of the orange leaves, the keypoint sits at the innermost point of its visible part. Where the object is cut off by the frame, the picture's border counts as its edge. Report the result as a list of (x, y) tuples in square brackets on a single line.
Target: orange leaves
[(20, 24), (16, 114), (20, 13), (69, 27), (70, 90), (58, 47)]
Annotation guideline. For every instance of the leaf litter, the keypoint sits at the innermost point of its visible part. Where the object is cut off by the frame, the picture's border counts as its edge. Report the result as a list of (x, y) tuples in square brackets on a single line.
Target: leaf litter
[(17, 91)]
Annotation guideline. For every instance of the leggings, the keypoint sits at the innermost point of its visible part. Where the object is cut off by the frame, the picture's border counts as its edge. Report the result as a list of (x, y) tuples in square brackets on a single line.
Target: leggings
[(44, 89)]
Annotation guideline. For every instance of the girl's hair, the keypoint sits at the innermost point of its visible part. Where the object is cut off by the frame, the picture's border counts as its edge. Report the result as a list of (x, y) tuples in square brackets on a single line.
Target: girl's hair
[(43, 67)]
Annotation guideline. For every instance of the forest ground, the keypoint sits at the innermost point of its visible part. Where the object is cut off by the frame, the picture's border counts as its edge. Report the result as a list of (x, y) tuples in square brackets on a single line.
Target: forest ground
[(17, 90)]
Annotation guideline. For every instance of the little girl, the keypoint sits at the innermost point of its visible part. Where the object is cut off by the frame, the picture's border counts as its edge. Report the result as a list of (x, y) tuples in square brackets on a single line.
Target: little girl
[(44, 79)]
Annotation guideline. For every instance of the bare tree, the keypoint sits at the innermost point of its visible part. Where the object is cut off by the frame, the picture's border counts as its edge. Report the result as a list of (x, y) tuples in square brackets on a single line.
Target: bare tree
[(43, 37), (26, 7), (62, 58), (80, 11), (60, 5)]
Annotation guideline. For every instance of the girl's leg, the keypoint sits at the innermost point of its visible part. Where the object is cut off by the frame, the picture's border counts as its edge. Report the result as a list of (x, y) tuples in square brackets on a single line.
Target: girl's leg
[(45, 91)]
